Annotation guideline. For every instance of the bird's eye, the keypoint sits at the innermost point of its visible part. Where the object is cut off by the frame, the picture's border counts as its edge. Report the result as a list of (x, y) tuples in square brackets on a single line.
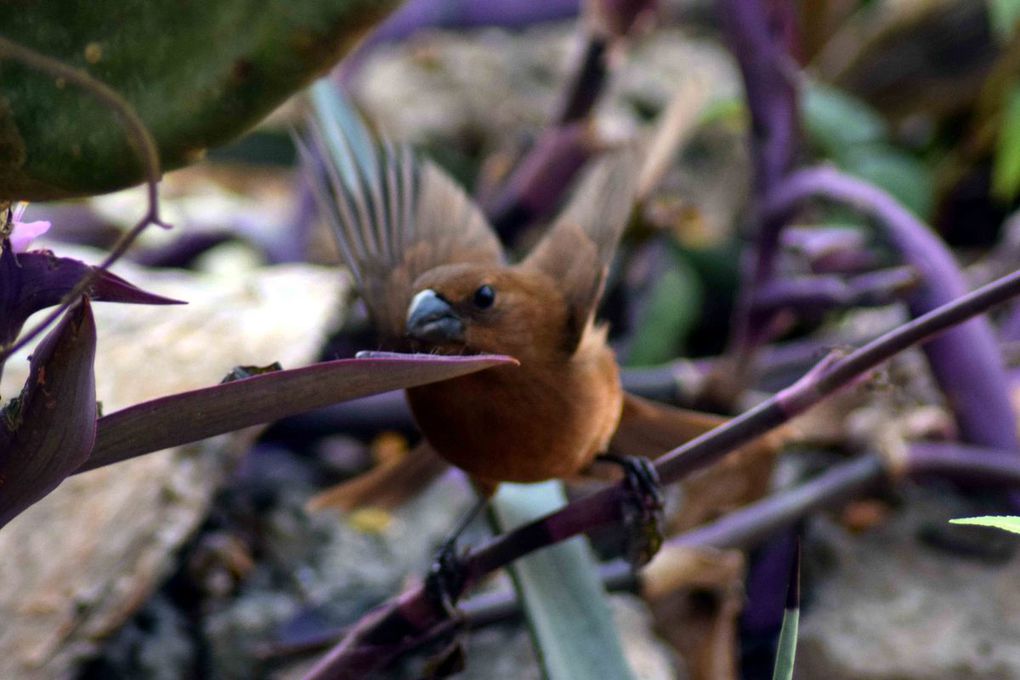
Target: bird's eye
[(484, 297)]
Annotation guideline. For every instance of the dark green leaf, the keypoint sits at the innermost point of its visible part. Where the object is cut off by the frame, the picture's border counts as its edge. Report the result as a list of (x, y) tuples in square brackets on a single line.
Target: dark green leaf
[(198, 74), (673, 309), (896, 171), (836, 122)]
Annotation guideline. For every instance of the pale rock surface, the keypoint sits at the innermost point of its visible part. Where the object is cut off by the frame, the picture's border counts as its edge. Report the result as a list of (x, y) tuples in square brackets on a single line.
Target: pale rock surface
[(884, 606)]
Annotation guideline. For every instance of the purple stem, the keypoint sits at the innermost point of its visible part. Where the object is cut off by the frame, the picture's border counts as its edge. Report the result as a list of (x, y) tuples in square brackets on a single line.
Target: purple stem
[(538, 182), (412, 616), (969, 464), (536, 185), (814, 294), (966, 361), (830, 250), (761, 35), (755, 523), (415, 15)]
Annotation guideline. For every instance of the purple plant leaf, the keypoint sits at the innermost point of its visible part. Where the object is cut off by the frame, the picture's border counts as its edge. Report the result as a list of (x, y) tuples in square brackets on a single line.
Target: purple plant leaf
[(39, 279), (48, 431), (190, 416)]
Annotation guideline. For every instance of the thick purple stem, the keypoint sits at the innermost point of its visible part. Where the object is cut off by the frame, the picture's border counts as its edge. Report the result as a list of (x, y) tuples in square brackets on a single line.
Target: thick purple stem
[(968, 464), (761, 35), (535, 187), (814, 294), (966, 361)]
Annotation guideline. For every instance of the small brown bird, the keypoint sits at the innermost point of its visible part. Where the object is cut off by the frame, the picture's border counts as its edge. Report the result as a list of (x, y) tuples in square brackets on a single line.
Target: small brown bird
[(434, 278)]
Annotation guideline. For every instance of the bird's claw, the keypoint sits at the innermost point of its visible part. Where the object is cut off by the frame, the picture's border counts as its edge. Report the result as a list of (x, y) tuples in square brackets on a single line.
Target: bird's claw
[(447, 575), (642, 507)]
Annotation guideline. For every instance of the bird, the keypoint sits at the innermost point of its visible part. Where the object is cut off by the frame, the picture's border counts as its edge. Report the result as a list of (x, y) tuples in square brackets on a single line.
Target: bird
[(434, 277)]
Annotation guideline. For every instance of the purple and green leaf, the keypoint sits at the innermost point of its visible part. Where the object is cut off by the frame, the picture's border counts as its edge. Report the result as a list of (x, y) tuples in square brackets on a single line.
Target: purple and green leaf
[(48, 430), (38, 279)]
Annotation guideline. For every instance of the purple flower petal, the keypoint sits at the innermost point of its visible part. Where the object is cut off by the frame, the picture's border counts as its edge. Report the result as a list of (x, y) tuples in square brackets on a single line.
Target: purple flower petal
[(25, 232)]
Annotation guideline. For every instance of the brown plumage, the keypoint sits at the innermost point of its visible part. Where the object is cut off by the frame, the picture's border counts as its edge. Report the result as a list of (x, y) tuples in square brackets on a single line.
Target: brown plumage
[(434, 278)]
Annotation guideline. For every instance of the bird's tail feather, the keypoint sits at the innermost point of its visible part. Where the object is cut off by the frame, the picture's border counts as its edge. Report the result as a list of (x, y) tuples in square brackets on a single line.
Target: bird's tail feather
[(388, 485)]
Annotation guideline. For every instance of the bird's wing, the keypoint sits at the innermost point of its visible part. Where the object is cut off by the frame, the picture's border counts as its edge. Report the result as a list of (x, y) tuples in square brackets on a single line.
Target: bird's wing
[(580, 245), (395, 217)]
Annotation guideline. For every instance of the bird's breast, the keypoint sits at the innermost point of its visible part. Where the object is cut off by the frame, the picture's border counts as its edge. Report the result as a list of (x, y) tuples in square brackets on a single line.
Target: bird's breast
[(526, 423)]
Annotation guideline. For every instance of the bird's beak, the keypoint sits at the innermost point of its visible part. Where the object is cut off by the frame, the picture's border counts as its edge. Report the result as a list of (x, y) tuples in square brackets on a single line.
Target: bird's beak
[(431, 319)]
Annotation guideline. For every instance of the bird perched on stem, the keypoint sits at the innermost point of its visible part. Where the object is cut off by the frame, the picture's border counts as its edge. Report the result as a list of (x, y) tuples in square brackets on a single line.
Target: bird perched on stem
[(434, 278)]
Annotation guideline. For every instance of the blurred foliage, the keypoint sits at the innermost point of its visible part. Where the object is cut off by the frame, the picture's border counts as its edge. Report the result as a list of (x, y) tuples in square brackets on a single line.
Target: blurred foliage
[(674, 306), (198, 74), (1006, 167), (1004, 15), (854, 136)]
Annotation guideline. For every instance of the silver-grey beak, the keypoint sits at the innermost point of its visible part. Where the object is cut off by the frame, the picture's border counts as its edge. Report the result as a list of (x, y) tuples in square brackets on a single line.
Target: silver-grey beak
[(431, 319)]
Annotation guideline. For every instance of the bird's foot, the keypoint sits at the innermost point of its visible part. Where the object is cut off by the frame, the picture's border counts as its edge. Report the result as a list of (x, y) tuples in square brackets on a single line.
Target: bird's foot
[(446, 578), (642, 506), (448, 574)]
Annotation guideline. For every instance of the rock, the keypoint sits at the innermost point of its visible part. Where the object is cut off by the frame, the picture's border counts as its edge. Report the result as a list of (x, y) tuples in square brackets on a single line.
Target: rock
[(884, 606), (156, 644), (441, 86), (80, 562)]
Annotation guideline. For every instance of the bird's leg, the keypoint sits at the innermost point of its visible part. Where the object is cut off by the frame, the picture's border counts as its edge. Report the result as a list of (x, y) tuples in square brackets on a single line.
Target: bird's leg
[(446, 576), (642, 507)]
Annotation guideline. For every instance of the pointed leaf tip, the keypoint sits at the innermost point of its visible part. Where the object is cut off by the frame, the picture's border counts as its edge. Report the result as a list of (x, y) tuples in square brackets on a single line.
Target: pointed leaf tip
[(49, 430), (33, 281), (793, 589), (189, 416), (1004, 522)]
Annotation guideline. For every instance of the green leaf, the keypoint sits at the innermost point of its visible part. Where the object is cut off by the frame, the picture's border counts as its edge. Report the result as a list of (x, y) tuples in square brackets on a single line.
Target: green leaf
[(896, 171), (836, 122), (1004, 15), (787, 651), (1006, 523), (1006, 168), (673, 309), (197, 73), (565, 603)]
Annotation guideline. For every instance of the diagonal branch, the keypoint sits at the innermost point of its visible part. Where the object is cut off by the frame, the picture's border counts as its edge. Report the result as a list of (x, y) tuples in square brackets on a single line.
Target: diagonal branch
[(396, 625)]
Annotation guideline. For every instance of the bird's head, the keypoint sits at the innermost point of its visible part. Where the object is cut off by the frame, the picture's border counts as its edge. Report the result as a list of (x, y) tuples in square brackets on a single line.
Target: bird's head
[(465, 308)]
